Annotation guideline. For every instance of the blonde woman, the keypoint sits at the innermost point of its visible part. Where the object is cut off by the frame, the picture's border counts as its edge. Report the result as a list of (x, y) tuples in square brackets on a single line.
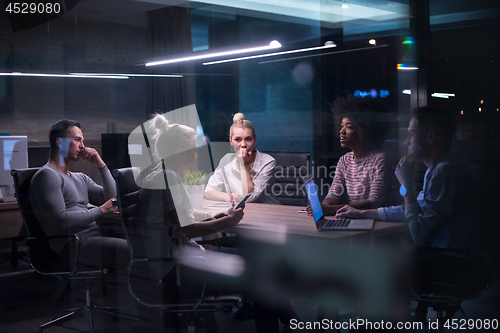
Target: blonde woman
[(245, 171)]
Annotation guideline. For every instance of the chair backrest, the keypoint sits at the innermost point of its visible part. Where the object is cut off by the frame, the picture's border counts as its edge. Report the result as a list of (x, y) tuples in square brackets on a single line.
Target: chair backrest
[(450, 274), (128, 202), (287, 183), (142, 283), (41, 256), (22, 180)]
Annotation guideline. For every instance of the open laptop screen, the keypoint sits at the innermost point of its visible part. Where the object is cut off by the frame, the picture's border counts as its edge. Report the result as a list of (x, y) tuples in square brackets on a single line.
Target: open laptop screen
[(313, 199)]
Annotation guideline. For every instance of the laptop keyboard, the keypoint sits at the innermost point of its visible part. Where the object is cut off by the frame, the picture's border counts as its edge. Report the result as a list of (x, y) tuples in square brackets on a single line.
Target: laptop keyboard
[(337, 223)]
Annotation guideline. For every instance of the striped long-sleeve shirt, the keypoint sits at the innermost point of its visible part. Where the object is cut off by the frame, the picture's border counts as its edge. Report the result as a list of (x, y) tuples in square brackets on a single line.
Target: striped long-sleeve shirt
[(366, 179)]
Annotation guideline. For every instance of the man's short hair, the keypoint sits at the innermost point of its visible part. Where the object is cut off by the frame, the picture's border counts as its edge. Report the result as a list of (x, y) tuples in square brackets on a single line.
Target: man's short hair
[(437, 118), (59, 130)]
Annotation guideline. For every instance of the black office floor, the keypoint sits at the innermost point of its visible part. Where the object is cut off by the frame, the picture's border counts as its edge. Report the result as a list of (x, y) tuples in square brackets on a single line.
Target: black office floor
[(25, 303)]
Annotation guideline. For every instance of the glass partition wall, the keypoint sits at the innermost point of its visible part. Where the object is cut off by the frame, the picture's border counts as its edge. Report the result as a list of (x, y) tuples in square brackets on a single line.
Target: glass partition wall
[(88, 63), (286, 96), (356, 47)]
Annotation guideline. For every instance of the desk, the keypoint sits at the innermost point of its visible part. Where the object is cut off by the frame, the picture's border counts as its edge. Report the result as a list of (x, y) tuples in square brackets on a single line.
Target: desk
[(288, 257), (265, 218)]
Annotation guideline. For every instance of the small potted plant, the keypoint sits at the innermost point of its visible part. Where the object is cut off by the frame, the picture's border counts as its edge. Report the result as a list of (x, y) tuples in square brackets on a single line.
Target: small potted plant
[(194, 183)]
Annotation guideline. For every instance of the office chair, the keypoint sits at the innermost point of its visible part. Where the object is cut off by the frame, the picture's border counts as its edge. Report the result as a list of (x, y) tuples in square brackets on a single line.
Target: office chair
[(287, 181), (142, 281), (14, 255), (461, 275), (46, 262)]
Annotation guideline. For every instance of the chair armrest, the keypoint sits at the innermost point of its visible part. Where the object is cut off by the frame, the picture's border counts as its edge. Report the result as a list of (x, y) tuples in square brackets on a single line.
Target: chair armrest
[(39, 238), (161, 259), (30, 241), (193, 303), (147, 274), (164, 259)]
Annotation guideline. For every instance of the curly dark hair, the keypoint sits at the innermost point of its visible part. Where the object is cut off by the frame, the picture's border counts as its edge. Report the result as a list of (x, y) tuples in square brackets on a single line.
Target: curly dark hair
[(368, 115)]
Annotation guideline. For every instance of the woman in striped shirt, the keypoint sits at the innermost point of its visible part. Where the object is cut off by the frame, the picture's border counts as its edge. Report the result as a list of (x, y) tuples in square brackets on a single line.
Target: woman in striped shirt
[(363, 173)]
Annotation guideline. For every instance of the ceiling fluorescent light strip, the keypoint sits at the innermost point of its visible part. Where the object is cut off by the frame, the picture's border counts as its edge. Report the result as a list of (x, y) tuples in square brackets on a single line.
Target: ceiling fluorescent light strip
[(442, 95), (327, 45), (406, 68), (119, 77), (131, 75), (272, 45)]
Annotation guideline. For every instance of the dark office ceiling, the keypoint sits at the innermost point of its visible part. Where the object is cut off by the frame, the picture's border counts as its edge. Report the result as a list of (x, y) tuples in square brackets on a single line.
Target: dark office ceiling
[(358, 12)]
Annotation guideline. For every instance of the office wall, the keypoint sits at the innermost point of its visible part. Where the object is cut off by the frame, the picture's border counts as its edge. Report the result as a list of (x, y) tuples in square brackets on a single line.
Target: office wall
[(280, 97), (30, 105)]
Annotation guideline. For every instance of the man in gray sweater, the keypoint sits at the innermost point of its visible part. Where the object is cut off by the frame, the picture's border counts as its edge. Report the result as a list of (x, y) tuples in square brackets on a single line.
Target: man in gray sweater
[(59, 199)]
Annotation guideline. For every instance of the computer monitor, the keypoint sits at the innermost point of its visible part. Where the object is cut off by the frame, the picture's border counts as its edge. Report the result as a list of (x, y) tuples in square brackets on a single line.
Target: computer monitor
[(38, 156), (13, 155)]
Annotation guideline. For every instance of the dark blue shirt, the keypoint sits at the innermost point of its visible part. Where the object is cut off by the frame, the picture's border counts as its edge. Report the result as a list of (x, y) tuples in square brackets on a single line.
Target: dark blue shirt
[(449, 211)]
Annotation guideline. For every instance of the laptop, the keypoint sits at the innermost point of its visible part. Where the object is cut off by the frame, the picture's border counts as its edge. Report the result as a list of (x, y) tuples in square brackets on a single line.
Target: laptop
[(332, 224)]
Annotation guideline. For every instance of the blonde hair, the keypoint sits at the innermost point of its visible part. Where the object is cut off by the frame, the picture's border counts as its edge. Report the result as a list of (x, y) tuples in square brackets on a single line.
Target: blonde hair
[(239, 121), (171, 139)]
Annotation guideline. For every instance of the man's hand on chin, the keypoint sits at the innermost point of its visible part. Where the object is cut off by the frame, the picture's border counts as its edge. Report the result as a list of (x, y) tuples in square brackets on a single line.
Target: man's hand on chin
[(91, 155), (405, 171)]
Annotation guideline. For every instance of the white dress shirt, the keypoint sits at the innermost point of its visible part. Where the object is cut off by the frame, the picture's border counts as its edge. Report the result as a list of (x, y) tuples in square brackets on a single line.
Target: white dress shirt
[(261, 172)]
